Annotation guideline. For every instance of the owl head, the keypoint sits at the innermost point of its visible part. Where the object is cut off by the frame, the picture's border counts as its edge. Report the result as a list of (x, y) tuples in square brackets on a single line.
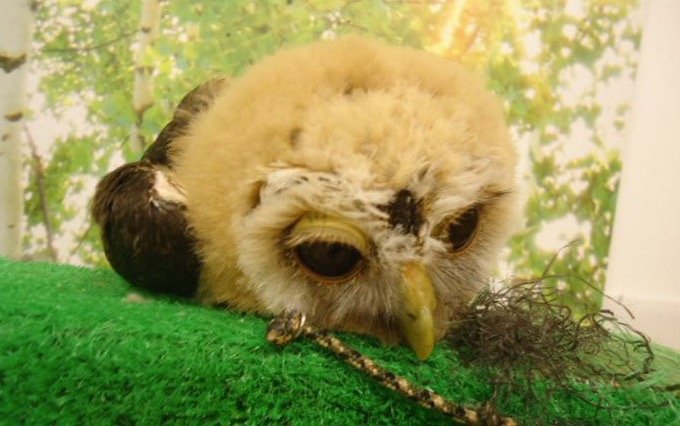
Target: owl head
[(368, 186)]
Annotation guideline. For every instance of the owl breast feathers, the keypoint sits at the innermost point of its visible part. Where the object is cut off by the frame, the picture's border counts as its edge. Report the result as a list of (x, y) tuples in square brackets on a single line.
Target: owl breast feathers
[(368, 186)]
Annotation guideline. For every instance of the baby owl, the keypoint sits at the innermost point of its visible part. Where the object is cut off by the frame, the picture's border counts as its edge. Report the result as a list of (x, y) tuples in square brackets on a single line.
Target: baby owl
[(368, 186)]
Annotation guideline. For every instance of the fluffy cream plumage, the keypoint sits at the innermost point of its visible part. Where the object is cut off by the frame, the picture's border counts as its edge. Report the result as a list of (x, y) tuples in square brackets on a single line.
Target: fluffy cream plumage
[(340, 127)]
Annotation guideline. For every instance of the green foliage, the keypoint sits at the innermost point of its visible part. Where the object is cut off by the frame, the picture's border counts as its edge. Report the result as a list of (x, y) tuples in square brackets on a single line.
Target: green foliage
[(533, 55), (567, 42)]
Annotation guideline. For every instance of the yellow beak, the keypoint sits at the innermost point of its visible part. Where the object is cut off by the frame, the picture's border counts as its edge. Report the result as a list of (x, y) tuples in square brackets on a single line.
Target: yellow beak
[(419, 302)]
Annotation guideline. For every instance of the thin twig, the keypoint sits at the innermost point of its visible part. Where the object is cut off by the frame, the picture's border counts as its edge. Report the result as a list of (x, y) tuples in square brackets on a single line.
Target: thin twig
[(39, 172), (88, 48), (81, 238)]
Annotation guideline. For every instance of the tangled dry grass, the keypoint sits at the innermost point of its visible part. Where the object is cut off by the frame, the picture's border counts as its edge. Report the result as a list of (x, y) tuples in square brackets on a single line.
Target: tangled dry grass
[(534, 346)]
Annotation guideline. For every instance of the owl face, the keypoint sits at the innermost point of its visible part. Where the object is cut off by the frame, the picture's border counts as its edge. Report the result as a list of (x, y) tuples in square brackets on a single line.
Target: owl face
[(382, 237), (383, 262), (367, 186)]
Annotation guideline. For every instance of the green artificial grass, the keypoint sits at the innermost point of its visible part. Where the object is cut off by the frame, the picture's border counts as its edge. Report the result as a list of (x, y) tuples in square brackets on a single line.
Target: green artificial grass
[(75, 348)]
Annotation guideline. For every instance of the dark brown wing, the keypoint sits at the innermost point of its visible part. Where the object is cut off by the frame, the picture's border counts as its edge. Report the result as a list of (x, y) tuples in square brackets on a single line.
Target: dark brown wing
[(141, 212), (191, 105), (146, 237)]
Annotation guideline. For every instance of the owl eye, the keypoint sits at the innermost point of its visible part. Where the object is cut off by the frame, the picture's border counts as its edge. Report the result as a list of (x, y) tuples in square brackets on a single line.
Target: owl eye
[(462, 231), (328, 261)]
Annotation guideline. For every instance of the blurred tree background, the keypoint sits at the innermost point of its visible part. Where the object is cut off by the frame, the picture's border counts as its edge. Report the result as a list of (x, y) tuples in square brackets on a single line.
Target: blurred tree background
[(564, 67)]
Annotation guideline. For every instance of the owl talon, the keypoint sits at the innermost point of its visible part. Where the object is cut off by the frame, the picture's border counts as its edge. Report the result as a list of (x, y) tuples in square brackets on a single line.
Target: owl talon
[(285, 328)]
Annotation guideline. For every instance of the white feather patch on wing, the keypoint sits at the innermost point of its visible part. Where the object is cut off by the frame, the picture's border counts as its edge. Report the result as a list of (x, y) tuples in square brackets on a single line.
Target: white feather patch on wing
[(167, 190)]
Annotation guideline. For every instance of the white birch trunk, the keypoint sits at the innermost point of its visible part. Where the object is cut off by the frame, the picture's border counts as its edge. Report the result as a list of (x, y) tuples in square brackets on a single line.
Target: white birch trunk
[(449, 28), (142, 98), (16, 22)]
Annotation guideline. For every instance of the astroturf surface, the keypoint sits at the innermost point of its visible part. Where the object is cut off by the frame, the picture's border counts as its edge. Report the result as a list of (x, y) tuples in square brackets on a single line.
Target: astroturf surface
[(77, 346)]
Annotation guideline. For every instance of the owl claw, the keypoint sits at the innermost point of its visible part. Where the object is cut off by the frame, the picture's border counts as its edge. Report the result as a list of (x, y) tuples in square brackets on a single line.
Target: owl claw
[(286, 327)]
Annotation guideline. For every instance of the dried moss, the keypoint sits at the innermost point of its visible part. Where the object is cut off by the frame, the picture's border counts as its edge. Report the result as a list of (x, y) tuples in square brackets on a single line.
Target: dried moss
[(534, 348)]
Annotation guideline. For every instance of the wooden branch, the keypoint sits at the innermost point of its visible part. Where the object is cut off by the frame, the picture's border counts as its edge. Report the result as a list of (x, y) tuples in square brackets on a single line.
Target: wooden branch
[(142, 95), (87, 48), (39, 172), (81, 239)]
